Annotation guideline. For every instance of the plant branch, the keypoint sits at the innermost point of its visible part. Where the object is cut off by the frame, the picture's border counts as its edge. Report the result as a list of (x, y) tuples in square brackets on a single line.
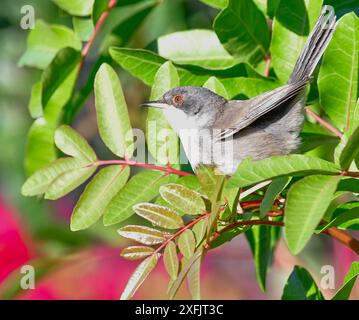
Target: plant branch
[(183, 229), (323, 123), (268, 61), (101, 20), (350, 174), (339, 235), (344, 238), (167, 169)]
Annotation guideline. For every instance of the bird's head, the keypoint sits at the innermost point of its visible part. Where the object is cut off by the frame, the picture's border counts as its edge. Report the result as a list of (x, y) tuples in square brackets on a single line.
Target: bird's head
[(189, 107)]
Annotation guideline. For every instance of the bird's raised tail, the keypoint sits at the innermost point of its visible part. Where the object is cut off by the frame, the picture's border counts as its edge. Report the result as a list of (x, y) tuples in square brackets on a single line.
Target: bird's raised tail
[(315, 46)]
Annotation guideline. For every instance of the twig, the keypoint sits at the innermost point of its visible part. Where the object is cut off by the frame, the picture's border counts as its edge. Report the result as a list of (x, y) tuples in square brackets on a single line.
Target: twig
[(268, 61), (335, 233), (167, 169), (183, 229), (100, 21), (324, 123), (344, 238), (350, 174)]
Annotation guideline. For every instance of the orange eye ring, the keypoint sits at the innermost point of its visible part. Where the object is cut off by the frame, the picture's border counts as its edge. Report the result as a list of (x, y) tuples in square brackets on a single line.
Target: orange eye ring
[(177, 99)]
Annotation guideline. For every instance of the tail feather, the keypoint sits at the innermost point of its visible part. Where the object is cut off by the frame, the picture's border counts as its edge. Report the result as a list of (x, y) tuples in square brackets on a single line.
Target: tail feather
[(316, 45)]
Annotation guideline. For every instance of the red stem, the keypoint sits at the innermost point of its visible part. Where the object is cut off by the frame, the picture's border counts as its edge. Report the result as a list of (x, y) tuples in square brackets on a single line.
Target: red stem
[(101, 20), (175, 235), (350, 174), (268, 61), (323, 123), (167, 169)]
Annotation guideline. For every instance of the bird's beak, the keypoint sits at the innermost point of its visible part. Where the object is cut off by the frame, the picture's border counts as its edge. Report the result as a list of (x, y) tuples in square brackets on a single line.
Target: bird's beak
[(155, 104)]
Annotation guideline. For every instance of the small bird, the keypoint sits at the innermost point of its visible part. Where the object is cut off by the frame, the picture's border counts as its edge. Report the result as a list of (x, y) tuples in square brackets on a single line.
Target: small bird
[(222, 133)]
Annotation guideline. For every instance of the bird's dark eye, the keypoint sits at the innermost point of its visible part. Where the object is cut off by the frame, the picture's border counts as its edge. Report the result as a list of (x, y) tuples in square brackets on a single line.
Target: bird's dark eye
[(177, 99)]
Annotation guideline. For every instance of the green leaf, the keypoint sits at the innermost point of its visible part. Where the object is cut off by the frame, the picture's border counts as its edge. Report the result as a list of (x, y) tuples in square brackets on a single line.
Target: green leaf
[(139, 275), (348, 283), (142, 187), (196, 47), (40, 181), (259, 238), (61, 67), (137, 252), (301, 286), (113, 120), (216, 86), (194, 280), (187, 243), (40, 148), (159, 215), (162, 141), (292, 24), (72, 143), (184, 271), (170, 260), (84, 28), (199, 230), (227, 236), (350, 151), (35, 103), (307, 202), (339, 74), (249, 87), (43, 43), (183, 199), (207, 178), (251, 172), (272, 193), (97, 195), (344, 220), (68, 181), (218, 4), (144, 64), (243, 31), (76, 7), (141, 234)]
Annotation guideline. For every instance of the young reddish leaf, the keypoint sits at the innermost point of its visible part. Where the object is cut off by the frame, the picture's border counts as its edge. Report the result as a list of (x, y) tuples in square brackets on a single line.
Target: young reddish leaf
[(137, 252), (170, 260), (142, 234), (199, 230), (194, 280), (184, 271), (139, 275), (183, 199), (187, 243), (159, 215)]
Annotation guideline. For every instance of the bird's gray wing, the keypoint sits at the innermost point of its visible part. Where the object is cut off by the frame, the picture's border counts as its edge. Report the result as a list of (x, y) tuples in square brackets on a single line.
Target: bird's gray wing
[(239, 114)]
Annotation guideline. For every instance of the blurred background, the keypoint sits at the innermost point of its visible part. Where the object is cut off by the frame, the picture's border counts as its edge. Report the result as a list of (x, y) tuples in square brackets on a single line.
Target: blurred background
[(87, 264)]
